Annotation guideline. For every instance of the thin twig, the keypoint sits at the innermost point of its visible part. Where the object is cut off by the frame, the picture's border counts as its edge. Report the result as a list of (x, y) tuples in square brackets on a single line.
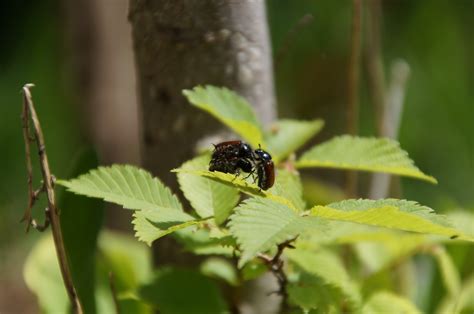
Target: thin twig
[(113, 290), (375, 70), (52, 212), (353, 87), (393, 108), (275, 265)]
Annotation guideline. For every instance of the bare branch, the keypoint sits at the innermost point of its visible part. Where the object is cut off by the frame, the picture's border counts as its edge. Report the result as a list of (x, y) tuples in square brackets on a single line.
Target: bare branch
[(275, 265), (52, 212)]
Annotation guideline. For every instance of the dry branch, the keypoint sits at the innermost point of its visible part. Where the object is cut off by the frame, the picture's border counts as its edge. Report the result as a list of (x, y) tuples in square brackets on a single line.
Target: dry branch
[(47, 187)]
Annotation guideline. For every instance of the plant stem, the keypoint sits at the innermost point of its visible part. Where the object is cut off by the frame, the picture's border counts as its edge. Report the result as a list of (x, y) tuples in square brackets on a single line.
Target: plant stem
[(275, 265), (52, 212), (353, 87), (375, 70)]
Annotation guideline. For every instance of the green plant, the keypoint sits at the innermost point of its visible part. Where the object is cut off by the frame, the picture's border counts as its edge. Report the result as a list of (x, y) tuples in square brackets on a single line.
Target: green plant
[(336, 257)]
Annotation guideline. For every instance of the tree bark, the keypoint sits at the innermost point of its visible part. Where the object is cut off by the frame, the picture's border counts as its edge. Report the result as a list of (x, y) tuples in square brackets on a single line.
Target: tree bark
[(100, 58), (183, 43)]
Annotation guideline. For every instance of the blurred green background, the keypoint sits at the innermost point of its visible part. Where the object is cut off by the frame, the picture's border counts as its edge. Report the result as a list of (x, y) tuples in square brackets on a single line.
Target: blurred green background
[(437, 129)]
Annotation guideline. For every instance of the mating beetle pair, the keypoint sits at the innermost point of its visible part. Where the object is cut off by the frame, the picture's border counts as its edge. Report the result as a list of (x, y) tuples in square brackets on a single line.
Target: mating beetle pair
[(236, 156)]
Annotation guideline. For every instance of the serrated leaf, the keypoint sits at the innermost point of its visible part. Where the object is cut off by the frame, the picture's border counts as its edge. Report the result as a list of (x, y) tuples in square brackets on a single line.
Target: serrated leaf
[(389, 213), (126, 185), (201, 243), (259, 224), (326, 266), (180, 291), (365, 154), (289, 135), (229, 108), (150, 225), (311, 292), (288, 185), (208, 197), (388, 303), (242, 185), (449, 273)]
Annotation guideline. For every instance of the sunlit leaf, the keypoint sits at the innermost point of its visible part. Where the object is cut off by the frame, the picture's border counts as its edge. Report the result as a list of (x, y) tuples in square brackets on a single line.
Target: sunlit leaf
[(150, 225), (259, 224), (242, 185), (126, 185), (328, 270), (366, 154), (230, 108), (390, 213), (288, 185), (207, 197), (389, 303), (43, 278)]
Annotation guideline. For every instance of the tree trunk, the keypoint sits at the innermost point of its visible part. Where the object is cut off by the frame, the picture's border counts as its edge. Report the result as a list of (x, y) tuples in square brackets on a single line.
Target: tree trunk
[(183, 43), (100, 56)]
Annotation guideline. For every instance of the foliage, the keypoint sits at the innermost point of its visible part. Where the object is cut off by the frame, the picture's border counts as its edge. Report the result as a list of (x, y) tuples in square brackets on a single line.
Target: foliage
[(272, 229)]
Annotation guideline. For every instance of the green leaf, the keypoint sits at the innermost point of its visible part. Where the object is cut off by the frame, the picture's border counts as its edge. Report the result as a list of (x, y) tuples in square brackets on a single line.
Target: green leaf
[(327, 267), (463, 220), (388, 303), (220, 268), (124, 257), (366, 154), (128, 260), (200, 242), (382, 249), (208, 197), (389, 213), (43, 278), (129, 263), (242, 185), (177, 291), (126, 185), (287, 136), (159, 212), (449, 273), (229, 108), (461, 302), (312, 292), (81, 219), (288, 185), (253, 269), (259, 224), (150, 225)]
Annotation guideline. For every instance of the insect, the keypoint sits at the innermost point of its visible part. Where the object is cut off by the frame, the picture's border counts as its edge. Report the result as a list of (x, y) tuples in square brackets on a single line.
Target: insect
[(231, 157), (236, 156), (265, 169)]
